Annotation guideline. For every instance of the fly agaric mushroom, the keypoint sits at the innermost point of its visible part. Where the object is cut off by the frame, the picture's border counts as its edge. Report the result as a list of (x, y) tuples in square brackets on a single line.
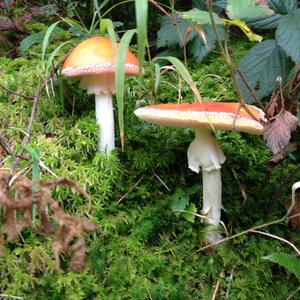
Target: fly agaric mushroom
[(204, 150), (94, 61)]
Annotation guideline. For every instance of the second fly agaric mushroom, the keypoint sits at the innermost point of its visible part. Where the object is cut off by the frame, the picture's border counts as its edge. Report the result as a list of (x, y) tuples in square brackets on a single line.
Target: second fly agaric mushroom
[(94, 61), (204, 150)]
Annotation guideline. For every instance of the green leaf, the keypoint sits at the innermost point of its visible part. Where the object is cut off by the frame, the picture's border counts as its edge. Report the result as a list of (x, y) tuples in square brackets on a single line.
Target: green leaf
[(217, 5), (30, 40), (120, 79), (47, 37), (183, 71), (280, 8), (35, 164), (288, 261), (53, 54), (141, 14), (190, 212), (157, 77), (74, 24), (200, 17), (108, 25), (180, 201), (237, 9), (288, 36), (261, 66), (283, 7), (172, 32), (197, 46)]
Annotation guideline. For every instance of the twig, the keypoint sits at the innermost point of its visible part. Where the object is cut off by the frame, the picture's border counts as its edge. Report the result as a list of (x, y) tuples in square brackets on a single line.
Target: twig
[(5, 146), (293, 293), (227, 59), (277, 238), (10, 296), (173, 18), (240, 185), (15, 93), (34, 110), (217, 287), (247, 231), (285, 217), (161, 181), (130, 190)]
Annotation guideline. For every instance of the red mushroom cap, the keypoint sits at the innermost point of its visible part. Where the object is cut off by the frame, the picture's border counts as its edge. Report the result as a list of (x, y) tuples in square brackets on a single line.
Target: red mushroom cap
[(97, 56), (219, 115)]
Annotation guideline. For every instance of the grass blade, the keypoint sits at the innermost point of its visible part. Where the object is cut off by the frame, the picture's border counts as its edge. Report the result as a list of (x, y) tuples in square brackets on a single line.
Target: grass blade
[(182, 70), (141, 15), (120, 79), (157, 77), (47, 36), (53, 54), (108, 25)]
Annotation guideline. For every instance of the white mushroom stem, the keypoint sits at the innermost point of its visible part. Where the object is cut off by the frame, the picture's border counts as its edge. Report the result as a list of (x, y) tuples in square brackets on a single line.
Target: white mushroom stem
[(204, 152), (102, 85), (105, 118)]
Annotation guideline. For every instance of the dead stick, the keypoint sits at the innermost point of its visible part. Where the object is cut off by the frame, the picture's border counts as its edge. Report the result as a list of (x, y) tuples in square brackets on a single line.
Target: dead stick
[(34, 110)]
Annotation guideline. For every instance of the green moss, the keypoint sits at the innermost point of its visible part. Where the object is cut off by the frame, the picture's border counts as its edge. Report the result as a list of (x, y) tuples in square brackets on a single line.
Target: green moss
[(143, 251)]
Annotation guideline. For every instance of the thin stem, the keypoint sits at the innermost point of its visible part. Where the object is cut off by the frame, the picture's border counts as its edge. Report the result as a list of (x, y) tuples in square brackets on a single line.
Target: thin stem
[(277, 238), (226, 57), (15, 93)]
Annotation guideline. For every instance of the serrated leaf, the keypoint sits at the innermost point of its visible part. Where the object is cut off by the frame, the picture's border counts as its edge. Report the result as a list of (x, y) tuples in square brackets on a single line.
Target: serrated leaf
[(288, 36), (197, 46), (280, 8), (217, 5), (200, 17), (260, 68), (277, 134), (172, 33), (283, 7), (190, 212), (237, 9), (288, 261)]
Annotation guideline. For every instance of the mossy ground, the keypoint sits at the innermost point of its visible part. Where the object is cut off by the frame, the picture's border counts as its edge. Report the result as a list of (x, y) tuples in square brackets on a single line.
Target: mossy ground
[(143, 251)]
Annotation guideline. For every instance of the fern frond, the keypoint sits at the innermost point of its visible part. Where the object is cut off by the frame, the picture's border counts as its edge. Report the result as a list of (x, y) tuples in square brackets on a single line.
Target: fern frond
[(288, 261)]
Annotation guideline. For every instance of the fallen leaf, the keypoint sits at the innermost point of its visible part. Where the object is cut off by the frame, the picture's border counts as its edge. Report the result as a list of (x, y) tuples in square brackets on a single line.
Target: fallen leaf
[(277, 133)]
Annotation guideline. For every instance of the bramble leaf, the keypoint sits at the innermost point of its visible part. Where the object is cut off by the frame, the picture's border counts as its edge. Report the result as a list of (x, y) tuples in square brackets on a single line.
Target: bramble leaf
[(288, 36), (280, 8), (200, 17), (260, 68), (277, 134), (237, 9), (171, 32)]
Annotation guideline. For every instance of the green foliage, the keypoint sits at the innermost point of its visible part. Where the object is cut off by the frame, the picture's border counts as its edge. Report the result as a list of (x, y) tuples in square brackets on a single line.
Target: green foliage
[(288, 261), (246, 9), (143, 251), (286, 22), (288, 34), (261, 67)]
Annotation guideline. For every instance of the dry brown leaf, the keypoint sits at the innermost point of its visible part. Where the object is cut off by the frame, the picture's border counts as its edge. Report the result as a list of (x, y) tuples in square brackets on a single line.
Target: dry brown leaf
[(277, 133), (68, 231)]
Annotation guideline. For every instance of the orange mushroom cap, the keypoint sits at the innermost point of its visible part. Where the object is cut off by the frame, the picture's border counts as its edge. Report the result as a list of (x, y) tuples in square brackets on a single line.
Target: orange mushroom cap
[(97, 55), (219, 115)]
